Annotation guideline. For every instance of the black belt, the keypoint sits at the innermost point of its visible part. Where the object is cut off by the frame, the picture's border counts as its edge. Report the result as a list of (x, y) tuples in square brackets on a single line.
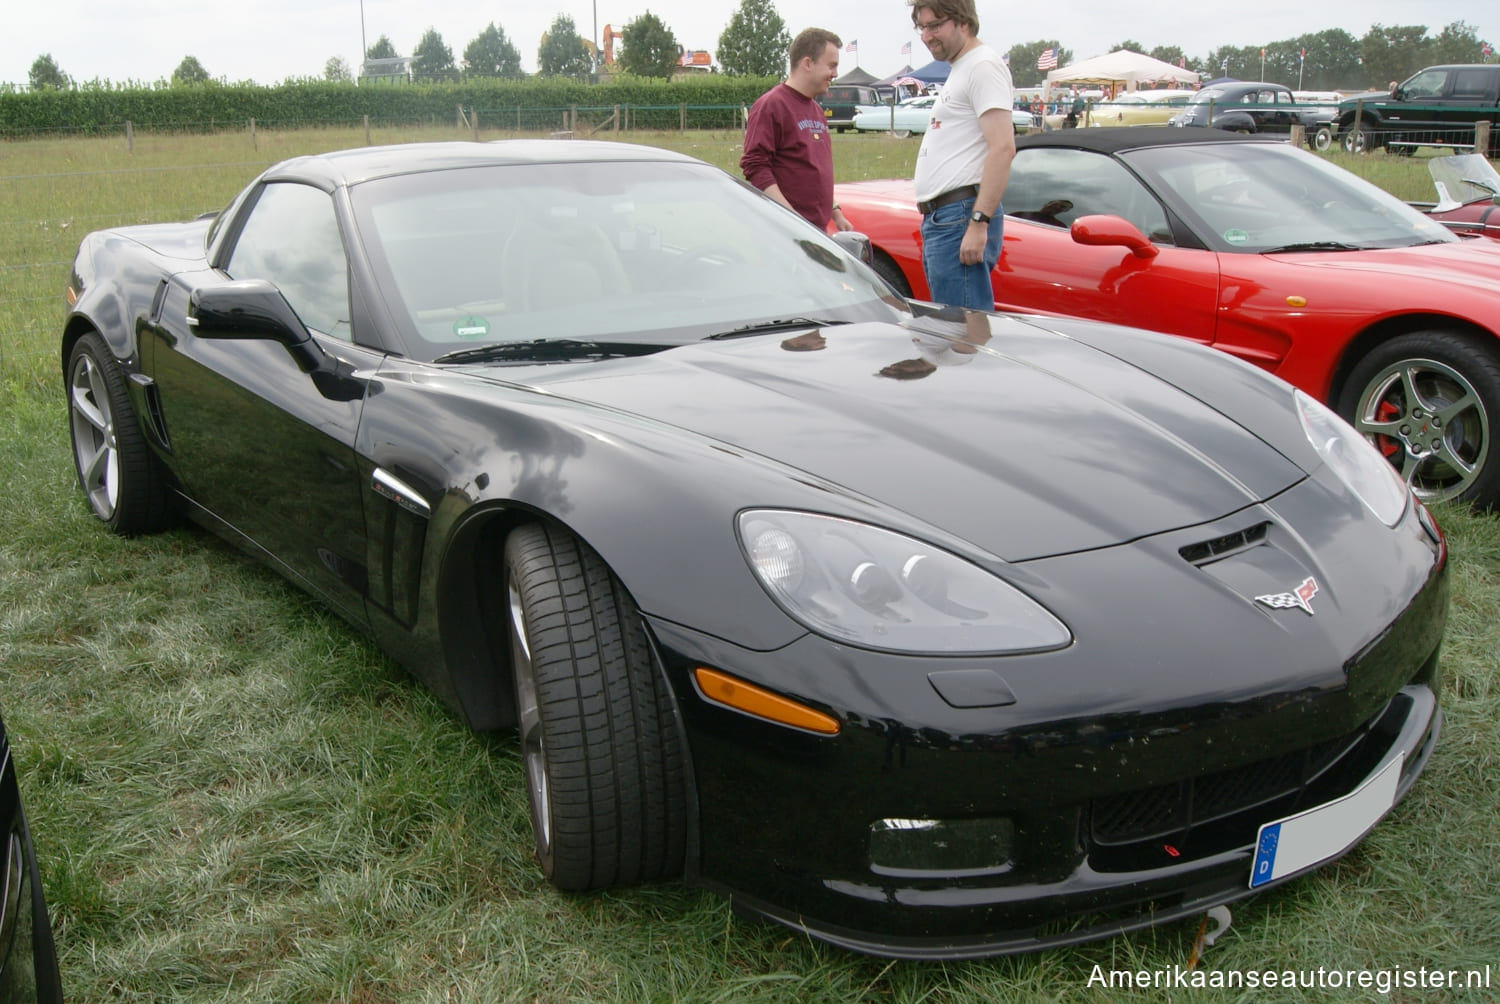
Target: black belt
[(952, 195)]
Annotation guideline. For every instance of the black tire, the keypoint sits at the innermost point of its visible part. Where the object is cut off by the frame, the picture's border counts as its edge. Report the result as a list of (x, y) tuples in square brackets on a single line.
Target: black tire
[(1357, 139), (1430, 401), (891, 273), (604, 761), (121, 478)]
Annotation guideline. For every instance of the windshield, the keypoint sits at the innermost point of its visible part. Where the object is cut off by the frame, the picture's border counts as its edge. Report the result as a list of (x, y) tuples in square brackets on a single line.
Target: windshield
[(620, 251), (1258, 197), (1203, 97), (1466, 178)]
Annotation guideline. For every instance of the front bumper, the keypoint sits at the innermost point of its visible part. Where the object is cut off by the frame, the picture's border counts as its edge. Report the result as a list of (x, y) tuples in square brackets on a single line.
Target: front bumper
[(1124, 788)]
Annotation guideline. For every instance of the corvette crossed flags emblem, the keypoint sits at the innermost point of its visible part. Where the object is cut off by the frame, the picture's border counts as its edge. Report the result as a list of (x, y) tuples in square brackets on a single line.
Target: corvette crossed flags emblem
[(1301, 597)]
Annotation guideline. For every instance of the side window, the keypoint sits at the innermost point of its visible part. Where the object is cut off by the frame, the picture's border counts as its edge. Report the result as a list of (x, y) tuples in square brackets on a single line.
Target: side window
[(1476, 83), (1055, 187), (292, 240), (1426, 85)]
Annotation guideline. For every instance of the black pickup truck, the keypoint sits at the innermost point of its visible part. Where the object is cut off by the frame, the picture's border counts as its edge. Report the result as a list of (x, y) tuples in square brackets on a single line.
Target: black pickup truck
[(1437, 106)]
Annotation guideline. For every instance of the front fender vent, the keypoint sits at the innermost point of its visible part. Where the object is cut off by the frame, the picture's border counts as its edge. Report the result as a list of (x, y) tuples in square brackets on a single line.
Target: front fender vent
[(1209, 551)]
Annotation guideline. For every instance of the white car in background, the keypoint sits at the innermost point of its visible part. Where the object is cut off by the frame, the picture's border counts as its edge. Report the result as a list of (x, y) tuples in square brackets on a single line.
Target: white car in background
[(912, 115)]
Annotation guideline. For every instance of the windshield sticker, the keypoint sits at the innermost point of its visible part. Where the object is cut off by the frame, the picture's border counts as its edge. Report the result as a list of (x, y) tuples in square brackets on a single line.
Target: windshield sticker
[(1236, 236), (471, 327)]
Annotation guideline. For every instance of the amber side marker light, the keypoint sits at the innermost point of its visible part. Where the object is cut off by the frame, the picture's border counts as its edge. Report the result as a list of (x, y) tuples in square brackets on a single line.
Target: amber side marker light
[(721, 688), (72, 295)]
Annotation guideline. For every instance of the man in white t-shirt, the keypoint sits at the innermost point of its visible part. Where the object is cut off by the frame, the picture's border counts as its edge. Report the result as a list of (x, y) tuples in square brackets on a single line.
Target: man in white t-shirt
[(965, 158)]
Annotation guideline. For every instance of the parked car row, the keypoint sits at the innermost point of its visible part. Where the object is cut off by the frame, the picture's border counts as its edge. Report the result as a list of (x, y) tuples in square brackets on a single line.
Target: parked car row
[(912, 116)]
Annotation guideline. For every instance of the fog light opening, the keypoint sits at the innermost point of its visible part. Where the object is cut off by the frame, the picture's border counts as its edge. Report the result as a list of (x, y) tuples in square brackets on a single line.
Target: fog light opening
[(941, 848)]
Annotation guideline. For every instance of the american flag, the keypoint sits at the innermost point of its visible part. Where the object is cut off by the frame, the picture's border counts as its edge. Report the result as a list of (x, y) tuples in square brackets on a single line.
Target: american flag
[(906, 49), (1047, 60), (853, 45)]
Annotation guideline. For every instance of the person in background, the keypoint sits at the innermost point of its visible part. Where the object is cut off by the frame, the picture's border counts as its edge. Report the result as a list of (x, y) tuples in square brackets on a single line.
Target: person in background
[(964, 160), (788, 150)]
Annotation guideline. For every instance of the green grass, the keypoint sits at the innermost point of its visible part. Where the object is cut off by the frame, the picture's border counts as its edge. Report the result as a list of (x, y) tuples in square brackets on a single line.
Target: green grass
[(236, 797)]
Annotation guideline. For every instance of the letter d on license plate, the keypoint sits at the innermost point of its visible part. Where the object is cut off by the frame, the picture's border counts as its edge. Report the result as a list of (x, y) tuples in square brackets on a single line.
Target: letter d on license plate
[(1297, 842)]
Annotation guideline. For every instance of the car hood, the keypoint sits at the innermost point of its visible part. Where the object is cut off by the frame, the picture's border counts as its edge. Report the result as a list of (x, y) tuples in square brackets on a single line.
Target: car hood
[(1470, 263), (1034, 444)]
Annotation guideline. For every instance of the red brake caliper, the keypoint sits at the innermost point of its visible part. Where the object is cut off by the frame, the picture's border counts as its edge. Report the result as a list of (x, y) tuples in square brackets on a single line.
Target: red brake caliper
[(1384, 413)]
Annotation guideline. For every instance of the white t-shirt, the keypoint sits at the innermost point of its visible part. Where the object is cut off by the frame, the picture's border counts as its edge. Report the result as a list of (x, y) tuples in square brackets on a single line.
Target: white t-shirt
[(953, 148)]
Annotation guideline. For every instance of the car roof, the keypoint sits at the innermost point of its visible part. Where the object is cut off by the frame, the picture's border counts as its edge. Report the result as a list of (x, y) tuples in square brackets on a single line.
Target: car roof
[(350, 167), (1134, 137)]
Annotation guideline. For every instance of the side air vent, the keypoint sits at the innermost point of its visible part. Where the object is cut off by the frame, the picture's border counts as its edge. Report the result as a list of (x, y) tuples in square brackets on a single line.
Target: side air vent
[(1208, 551)]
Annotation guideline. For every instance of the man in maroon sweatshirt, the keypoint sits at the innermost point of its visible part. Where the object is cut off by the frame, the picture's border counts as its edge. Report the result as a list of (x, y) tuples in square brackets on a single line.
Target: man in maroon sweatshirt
[(788, 153)]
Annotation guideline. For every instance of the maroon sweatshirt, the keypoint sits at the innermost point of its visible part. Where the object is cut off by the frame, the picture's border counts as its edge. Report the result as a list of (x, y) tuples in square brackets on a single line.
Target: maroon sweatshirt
[(787, 144)]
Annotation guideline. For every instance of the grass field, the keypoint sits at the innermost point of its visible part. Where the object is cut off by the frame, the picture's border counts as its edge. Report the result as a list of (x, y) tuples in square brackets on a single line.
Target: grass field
[(235, 797)]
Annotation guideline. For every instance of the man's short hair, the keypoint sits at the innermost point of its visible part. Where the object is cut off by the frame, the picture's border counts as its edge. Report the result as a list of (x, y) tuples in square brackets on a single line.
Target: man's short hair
[(809, 44), (959, 11)]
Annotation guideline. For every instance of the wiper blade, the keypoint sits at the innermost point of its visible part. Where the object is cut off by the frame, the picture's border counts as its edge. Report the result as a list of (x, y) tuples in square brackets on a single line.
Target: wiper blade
[(784, 324), (1484, 185), (549, 348), (1314, 246)]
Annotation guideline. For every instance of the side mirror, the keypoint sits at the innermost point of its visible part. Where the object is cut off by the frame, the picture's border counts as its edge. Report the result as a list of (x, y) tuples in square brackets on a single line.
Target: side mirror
[(253, 308), (1112, 231), (856, 243)]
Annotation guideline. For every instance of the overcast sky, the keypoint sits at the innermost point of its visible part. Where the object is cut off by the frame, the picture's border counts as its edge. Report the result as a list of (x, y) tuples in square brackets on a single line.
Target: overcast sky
[(271, 40)]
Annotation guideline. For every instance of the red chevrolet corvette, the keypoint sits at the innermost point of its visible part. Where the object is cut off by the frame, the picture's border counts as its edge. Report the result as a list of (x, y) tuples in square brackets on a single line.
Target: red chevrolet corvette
[(1260, 249)]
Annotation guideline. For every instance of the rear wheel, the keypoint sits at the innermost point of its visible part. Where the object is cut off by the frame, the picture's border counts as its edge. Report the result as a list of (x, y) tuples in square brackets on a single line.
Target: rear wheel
[(603, 756), (1429, 401), (120, 476), (1323, 138)]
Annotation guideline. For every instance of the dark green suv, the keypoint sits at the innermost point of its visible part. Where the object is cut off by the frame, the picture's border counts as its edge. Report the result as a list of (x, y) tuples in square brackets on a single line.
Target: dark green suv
[(1437, 106)]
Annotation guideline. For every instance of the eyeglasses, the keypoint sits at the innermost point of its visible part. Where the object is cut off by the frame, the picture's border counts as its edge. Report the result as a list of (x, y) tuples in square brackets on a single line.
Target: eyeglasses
[(924, 28)]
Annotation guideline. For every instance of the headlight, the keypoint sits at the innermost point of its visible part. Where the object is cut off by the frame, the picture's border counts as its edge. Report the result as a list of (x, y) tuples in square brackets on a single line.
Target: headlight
[(877, 589), (1357, 463)]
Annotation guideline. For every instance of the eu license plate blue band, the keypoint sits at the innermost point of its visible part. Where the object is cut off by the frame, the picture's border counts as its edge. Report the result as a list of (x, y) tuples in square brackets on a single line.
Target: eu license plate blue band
[(1289, 845)]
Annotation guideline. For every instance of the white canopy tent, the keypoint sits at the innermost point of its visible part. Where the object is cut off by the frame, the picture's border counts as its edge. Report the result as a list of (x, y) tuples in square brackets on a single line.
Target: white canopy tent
[(1121, 67)]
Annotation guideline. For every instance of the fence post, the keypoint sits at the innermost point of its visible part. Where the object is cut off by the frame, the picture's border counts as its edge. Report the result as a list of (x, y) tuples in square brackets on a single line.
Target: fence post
[(682, 118), (474, 123), (367, 130), (617, 118), (1298, 135), (1482, 137), (129, 137), (253, 144)]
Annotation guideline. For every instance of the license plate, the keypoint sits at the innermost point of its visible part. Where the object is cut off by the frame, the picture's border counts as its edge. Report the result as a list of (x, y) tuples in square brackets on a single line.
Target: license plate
[(1297, 842)]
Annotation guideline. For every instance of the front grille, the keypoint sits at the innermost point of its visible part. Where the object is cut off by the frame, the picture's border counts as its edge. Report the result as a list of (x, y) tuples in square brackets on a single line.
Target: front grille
[(1217, 812)]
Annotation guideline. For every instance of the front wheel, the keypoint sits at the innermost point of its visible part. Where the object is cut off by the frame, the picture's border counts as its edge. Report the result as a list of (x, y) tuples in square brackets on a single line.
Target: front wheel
[(1428, 401), (1356, 139), (121, 478), (1322, 139), (605, 774)]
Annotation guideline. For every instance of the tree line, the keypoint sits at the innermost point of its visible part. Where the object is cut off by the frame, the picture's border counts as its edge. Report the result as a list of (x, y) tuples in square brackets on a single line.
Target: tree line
[(755, 41), (1322, 61)]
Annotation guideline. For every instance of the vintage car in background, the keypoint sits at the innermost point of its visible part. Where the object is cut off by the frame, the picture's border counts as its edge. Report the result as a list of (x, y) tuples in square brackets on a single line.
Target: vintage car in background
[(1151, 107), (912, 116), (613, 450), (1267, 252), (844, 101), (1468, 194), (1254, 107), (28, 958)]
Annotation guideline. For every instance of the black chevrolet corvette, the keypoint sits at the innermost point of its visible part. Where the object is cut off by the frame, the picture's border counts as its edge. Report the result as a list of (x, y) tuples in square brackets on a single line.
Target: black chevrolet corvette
[(931, 633), (28, 959)]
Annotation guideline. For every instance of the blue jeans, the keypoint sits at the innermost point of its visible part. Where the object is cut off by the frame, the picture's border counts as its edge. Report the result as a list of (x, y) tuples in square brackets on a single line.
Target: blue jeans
[(951, 282)]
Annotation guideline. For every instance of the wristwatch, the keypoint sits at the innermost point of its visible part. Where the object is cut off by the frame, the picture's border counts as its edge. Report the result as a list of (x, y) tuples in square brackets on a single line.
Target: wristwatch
[(977, 217)]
